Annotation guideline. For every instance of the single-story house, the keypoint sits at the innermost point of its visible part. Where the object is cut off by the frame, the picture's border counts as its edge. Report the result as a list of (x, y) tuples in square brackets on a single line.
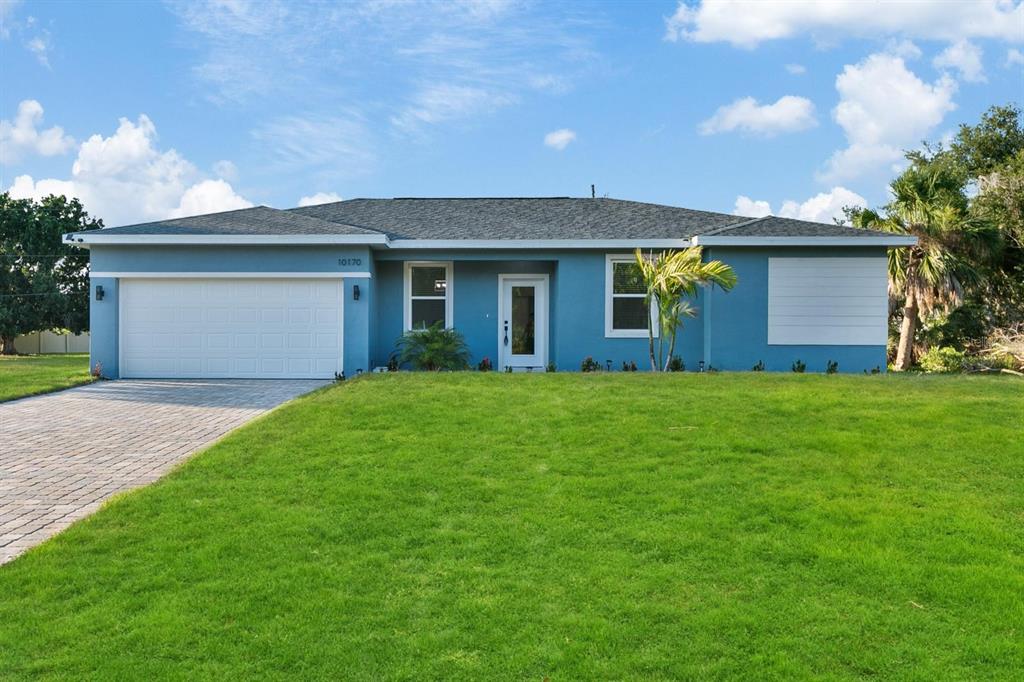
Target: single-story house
[(315, 290)]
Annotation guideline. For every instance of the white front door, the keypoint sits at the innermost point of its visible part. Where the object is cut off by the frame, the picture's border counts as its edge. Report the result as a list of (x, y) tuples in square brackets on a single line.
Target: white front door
[(523, 321)]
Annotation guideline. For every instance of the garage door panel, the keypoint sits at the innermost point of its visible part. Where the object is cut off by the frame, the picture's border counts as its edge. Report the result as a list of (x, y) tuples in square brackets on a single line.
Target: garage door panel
[(327, 316), (221, 327)]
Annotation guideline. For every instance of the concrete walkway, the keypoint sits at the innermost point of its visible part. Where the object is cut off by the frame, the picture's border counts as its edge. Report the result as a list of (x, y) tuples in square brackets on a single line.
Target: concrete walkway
[(63, 454)]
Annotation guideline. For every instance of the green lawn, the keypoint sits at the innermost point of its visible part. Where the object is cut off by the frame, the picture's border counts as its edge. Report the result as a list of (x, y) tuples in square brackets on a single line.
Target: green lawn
[(469, 526), (22, 375)]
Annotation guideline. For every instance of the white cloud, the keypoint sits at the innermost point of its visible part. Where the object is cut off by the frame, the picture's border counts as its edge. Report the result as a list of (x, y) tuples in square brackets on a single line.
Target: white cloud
[(441, 102), (226, 170), (883, 108), (559, 139), (796, 69), (1014, 57), (902, 48), (965, 57), (6, 11), (40, 47), (788, 114), (746, 24), (125, 178), (821, 208), (339, 146), (23, 135), (209, 196), (745, 206), (319, 198), (453, 59)]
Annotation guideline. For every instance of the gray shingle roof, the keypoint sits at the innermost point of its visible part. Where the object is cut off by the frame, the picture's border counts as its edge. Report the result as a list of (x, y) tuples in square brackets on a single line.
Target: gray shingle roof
[(261, 220), (773, 226), (550, 218), (490, 219)]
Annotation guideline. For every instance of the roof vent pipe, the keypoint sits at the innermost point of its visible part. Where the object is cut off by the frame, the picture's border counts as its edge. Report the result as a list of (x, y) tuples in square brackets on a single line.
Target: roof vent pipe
[(593, 192)]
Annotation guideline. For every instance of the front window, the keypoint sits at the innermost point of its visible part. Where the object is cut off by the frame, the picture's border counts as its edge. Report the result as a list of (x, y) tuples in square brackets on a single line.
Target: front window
[(626, 312), (428, 295)]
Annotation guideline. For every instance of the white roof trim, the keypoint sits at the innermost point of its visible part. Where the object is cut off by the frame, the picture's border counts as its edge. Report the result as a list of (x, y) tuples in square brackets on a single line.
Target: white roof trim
[(714, 240), (537, 243), (198, 239), (198, 274)]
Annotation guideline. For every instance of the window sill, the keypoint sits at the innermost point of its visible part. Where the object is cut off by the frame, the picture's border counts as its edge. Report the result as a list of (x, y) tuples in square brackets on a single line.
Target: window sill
[(627, 334)]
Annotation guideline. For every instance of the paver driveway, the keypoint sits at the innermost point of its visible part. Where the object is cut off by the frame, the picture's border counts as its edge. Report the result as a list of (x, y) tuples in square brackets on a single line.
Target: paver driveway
[(63, 454)]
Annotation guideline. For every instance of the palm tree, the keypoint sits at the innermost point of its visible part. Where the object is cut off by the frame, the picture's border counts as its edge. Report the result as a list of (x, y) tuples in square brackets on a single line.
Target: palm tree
[(931, 274), (670, 279)]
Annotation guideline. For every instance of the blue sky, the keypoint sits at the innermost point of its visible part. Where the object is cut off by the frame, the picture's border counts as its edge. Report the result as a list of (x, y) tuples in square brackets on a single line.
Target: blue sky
[(152, 110)]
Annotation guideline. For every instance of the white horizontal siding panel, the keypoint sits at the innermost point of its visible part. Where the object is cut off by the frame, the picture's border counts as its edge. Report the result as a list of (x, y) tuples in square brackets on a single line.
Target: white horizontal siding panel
[(827, 301)]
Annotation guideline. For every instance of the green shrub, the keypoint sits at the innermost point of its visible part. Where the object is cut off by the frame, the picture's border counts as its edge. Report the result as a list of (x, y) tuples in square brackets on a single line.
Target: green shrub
[(433, 349), (589, 364), (943, 359), (799, 366), (759, 367), (676, 364), (832, 367)]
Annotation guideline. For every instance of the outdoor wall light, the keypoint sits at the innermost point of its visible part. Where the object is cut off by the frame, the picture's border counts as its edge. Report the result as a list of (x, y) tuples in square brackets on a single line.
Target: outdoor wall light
[(355, 292), (99, 292), (701, 365)]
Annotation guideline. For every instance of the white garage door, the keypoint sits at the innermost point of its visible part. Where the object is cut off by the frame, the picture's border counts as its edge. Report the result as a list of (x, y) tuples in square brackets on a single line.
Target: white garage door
[(230, 328)]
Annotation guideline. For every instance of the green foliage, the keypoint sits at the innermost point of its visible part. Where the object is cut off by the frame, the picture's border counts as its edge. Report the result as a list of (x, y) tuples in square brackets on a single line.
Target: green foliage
[(485, 365), (799, 366), (985, 147), (759, 367), (589, 364), (832, 367), (670, 279), (551, 367), (943, 359), (44, 281), (962, 327), (629, 366), (676, 364), (433, 349)]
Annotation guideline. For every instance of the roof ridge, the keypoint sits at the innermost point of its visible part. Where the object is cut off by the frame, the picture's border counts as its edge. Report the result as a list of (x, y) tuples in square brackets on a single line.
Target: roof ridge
[(474, 198), (733, 226)]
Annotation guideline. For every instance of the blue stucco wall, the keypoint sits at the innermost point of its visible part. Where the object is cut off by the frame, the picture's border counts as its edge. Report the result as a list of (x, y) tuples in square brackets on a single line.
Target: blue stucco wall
[(576, 307), (256, 259), (736, 322), (729, 333), (103, 326)]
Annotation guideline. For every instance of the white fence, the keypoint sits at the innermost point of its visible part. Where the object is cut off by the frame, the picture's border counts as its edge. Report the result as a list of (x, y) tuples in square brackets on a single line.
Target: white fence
[(50, 342)]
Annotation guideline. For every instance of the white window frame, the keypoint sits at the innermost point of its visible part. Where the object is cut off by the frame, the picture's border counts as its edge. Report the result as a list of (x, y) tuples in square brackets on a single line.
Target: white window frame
[(449, 307), (610, 296)]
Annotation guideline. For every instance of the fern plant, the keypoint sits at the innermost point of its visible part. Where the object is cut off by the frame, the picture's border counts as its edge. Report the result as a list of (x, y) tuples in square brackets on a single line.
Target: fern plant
[(433, 349), (799, 366)]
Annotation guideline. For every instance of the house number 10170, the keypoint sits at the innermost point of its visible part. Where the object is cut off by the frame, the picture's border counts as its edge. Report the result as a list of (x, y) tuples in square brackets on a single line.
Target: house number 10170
[(350, 261)]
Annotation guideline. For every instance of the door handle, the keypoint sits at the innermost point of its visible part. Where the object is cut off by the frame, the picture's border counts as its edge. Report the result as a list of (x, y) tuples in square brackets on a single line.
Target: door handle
[(506, 332)]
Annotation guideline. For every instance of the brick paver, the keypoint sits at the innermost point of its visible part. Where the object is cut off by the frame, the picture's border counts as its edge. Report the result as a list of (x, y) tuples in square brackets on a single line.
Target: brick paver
[(63, 454)]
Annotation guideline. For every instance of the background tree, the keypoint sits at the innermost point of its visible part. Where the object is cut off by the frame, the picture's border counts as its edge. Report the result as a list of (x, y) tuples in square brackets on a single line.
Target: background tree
[(44, 281), (965, 278), (671, 279)]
